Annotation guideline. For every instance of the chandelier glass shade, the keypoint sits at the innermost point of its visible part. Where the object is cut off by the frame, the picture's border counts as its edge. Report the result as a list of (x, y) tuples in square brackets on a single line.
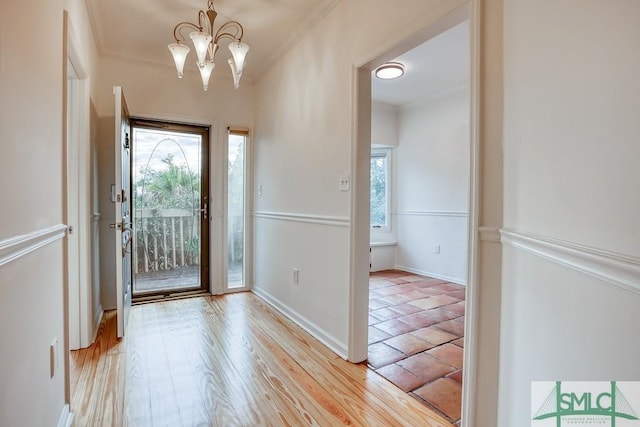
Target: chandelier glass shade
[(206, 44)]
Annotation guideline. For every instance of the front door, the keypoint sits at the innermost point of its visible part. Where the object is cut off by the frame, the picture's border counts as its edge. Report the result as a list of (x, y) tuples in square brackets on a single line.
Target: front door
[(170, 208), (121, 198)]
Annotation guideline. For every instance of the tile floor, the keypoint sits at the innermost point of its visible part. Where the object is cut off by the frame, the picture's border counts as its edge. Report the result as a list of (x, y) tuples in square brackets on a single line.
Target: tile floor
[(416, 337)]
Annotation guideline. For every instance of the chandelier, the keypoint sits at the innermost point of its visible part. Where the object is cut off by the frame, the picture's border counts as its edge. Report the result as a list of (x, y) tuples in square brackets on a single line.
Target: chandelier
[(206, 44)]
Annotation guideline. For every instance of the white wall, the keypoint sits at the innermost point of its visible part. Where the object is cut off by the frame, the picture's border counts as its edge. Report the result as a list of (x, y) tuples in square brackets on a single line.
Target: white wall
[(431, 186), (154, 91), (384, 134), (571, 196), (304, 132), (287, 117), (384, 124), (31, 187)]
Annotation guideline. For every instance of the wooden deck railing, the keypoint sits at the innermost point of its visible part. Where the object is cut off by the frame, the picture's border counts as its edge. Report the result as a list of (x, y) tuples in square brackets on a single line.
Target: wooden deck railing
[(166, 239)]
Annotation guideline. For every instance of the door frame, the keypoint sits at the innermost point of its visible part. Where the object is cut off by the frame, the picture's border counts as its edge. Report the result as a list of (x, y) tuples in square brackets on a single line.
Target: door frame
[(217, 194), (361, 154), (79, 331), (150, 123), (77, 140)]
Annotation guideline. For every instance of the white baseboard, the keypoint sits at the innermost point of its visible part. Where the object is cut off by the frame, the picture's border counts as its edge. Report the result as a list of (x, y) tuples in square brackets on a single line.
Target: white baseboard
[(66, 417), (334, 345), (455, 280), (96, 323)]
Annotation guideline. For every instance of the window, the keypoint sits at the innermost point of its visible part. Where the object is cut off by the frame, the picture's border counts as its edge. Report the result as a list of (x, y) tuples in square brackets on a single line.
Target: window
[(380, 198), (236, 207)]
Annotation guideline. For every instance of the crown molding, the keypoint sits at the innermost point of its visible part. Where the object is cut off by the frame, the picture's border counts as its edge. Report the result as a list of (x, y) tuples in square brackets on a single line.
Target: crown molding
[(432, 213)]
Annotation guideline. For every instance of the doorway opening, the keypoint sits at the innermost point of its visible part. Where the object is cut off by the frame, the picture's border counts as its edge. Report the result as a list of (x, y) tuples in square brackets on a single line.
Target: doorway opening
[(465, 212), (420, 169), (170, 208)]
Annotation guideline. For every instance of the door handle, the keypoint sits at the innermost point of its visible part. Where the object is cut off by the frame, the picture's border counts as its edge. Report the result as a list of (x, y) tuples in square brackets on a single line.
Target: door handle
[(204, 210)]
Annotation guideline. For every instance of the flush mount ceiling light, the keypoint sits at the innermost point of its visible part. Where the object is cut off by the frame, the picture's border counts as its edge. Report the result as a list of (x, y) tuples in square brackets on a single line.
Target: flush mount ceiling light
[(206, 43), (390, 70)]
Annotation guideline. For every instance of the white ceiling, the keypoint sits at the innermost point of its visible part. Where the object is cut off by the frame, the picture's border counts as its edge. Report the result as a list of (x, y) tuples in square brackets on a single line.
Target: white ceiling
[(438, 65), (142, 29)]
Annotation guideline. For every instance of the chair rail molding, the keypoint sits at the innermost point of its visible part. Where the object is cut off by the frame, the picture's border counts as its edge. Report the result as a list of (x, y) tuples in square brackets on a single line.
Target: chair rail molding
[(619, 270), (16, 247), (489, 234), (459, 214), (335, 221)]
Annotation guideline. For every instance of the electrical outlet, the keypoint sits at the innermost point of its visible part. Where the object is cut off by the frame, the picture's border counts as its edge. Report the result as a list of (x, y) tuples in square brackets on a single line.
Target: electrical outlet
[(436, 249), (296, 276)]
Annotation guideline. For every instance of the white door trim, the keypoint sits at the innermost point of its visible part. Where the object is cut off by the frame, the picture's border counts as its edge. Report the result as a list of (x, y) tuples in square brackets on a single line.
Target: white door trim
[(77, 148), (360, 151)]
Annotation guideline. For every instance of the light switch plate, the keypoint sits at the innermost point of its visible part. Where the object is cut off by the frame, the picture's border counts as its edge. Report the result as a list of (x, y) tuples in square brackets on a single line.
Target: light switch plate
[(345, 183)]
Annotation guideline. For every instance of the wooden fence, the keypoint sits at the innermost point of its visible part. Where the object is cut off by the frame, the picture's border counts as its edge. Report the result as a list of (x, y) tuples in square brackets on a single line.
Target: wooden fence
[(166, 239)]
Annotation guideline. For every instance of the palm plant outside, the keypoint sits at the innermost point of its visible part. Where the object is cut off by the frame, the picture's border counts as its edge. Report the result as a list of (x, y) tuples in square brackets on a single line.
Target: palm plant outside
[(157, 191), (378, 192), (176, 186)]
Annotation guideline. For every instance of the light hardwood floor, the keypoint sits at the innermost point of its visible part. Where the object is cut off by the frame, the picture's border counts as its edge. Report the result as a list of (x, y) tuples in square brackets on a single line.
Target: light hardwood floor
[(227, 361)]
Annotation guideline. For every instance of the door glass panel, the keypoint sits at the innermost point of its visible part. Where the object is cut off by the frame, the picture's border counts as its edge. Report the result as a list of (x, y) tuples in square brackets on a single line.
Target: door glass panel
[(235, 210), (167, 199)]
